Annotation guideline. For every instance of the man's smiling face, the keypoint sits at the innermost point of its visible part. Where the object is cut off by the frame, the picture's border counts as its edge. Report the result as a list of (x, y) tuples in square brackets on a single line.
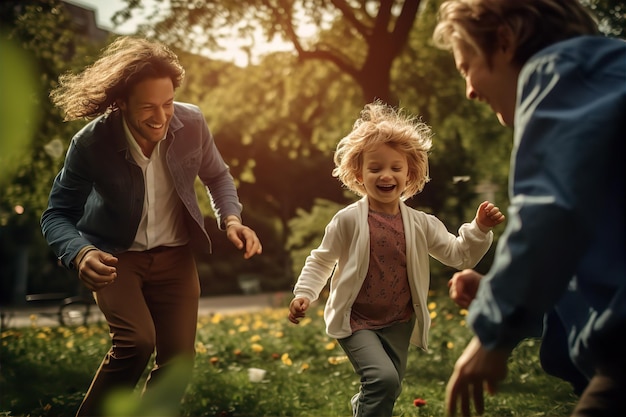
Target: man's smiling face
[(148, 111)]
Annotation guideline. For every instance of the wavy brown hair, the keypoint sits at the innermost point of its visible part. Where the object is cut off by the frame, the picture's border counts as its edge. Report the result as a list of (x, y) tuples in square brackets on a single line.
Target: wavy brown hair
[(381, 124), (124, 63), (534, 24)]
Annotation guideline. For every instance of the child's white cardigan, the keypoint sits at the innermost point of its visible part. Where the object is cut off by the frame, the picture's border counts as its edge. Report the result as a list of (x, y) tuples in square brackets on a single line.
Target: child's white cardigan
[(345, 249)]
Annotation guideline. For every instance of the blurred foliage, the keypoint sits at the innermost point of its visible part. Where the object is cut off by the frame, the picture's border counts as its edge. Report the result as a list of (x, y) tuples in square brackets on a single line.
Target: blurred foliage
[(18, 115), (611, 15), (306, 228), (44, 32)]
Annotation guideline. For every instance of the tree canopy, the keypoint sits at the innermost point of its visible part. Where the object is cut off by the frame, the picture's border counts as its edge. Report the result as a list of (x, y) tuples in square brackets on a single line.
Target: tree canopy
[(361, 38)]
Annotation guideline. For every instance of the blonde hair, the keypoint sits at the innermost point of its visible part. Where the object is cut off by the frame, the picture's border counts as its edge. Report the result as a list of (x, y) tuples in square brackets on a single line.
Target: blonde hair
[(381, 124), (534, 24), (124, 63)]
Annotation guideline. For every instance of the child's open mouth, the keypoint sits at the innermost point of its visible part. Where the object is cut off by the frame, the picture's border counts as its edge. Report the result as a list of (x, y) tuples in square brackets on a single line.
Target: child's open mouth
[(386, 188)]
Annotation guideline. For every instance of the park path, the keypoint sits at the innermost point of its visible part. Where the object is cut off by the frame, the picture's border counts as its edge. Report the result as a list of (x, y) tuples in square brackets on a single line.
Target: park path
[(22, 316)]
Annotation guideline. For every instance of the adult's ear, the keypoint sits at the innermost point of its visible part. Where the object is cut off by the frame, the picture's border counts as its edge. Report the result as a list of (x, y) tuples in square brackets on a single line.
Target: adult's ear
[(507, 44), (121, 104)]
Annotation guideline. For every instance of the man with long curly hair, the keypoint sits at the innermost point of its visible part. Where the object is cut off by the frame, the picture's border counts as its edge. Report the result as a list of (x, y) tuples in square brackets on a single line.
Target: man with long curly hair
[(123, 211)]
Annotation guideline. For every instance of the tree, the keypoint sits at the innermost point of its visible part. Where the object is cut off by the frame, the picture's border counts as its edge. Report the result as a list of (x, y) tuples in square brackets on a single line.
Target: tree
[(380, 28)]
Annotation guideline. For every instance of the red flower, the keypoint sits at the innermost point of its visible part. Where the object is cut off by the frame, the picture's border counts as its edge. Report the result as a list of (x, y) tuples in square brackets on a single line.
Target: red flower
[(419, 402)]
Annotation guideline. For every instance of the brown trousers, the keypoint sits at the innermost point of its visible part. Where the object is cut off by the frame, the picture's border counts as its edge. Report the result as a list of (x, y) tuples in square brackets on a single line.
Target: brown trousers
[(153, 304)]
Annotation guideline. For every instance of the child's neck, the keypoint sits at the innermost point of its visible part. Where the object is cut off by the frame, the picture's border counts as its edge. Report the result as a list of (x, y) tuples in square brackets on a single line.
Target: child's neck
[(391, 208)]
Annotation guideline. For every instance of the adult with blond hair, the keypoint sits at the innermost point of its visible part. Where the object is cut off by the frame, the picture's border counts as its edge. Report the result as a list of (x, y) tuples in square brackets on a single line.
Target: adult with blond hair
[(544, 68), (123, 210)]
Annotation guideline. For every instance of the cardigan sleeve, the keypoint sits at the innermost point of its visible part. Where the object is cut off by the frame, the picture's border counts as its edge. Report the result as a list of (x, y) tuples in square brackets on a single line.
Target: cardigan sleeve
[(319, 265)]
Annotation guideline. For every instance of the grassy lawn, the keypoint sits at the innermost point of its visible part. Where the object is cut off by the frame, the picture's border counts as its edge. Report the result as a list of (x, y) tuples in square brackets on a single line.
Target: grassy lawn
[(46, 370)]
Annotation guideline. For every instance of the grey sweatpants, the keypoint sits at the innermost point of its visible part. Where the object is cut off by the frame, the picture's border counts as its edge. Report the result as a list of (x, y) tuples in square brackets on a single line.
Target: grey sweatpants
[(379, 357)]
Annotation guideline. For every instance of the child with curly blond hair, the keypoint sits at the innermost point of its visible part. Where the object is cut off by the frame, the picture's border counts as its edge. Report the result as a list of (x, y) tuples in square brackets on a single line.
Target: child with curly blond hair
[(376, 253)]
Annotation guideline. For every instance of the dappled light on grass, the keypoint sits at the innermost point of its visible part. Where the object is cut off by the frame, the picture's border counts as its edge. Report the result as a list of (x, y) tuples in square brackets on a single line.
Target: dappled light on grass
[(306, 372)]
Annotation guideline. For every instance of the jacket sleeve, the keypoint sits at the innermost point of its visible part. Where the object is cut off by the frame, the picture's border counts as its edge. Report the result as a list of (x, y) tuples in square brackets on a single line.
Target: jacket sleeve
[(567, 132), (70, 190), (217, 179)]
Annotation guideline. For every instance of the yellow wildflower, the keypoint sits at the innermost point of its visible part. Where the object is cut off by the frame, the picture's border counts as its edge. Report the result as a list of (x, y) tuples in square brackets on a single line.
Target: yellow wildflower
[(256, 347), (200, 348), (286, 359), (259, 324), (65, 332), (336, 360)]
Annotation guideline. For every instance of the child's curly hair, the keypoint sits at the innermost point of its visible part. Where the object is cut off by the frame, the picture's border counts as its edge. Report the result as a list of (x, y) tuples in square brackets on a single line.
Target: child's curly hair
[(382, 124)]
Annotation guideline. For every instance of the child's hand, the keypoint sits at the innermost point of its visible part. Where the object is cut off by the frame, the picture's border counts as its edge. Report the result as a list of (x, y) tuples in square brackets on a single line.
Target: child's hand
[(297, 307), (488, 216)]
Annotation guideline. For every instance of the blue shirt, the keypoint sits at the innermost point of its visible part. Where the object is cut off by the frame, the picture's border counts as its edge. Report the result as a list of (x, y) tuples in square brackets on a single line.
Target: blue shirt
[(566, 218)]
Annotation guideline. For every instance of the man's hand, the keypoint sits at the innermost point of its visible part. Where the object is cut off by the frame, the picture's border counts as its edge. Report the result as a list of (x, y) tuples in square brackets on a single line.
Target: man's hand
[(97, 269), (244, 238), (463, 287), (475, 369)]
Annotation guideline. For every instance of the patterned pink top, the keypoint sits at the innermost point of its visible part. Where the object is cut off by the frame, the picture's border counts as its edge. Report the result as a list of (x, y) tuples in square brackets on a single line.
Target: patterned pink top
[(385, 297)]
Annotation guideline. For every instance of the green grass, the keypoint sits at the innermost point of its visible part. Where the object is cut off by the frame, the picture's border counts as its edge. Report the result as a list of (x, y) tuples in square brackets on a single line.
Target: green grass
[(46, 370)]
